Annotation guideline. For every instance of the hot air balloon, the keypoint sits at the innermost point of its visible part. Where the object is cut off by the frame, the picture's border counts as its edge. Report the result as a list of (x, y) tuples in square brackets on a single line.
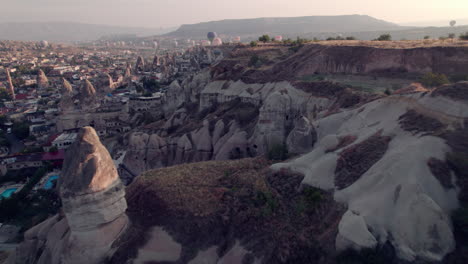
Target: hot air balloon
[(212, 35), (236, 39), (279, 38)]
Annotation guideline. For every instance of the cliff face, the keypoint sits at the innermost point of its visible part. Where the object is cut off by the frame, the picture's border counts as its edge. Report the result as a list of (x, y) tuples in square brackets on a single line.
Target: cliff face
[(93, 209), (368, 60), (313, 59)]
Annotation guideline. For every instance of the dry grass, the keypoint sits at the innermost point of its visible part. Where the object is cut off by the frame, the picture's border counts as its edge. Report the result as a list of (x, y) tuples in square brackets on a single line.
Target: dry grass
[(198, 187), (401, 44)]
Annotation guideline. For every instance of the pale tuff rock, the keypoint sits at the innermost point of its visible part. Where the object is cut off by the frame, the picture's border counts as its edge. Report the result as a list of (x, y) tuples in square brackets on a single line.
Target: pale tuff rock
[(66, 102), (87, 89), (353, 233), (156, 61), (128, 73), (87, 95), (94, 206), (203, 143), (403, 204), (302, 137), (105, 83), (140, 64), (11, 88), (42, 81), (88, 167), (175, 96), (93, 198), (67, 89)]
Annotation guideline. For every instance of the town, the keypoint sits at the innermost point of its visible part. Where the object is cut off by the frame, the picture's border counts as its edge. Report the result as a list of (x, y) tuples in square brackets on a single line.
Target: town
[(49, 91)]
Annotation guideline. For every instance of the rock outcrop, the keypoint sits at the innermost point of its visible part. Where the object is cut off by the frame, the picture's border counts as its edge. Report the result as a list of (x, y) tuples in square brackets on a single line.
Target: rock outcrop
[(10, 87), (67, 89), (140, 64), (42, 81), (66, 103), (384, 147), (87, 96), (94, 207)]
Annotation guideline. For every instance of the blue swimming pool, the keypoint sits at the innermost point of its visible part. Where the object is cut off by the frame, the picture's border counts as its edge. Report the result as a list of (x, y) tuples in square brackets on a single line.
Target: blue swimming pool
[(8, 192), (49, 183)]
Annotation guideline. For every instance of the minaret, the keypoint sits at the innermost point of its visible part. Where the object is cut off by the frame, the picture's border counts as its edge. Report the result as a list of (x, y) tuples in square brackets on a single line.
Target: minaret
[(10, 87)]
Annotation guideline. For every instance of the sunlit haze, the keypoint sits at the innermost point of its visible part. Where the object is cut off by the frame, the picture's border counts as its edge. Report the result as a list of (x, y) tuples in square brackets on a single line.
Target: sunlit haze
[(164, 13)]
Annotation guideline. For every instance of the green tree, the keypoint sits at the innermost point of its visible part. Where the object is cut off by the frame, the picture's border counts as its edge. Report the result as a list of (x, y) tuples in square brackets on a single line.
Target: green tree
[(264, 38), (4, 94), (464, 36), (431, 79), (451, 35), (254, 60), (427, 37), (384, 37), (20, 130), (53, 149), (253, 44), (278, 151)]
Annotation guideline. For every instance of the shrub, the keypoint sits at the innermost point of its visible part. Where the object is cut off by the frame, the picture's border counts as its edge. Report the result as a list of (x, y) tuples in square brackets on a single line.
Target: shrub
[(53, 149), (451, 35), (4, 94), (296, 48), (267, 201), (264, 38), (427, 37), (350, 38), (21, 130), (253, 44), (385, 37), (278, 151), (311, 197), (431, 79), (387, 92), (464, 36), (254, 59)]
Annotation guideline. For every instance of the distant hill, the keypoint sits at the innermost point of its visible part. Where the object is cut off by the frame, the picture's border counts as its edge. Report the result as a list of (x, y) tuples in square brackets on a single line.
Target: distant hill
[(68, 31), (290, 26), (405, 33), (436, 23)]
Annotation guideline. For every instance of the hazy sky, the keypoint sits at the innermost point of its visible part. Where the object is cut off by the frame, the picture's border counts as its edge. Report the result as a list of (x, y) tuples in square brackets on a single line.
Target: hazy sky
[(166, 13)]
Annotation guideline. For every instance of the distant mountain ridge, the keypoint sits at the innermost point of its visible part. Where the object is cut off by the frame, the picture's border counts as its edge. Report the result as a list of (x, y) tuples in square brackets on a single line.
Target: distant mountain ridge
[(68, 31), (285, 26)]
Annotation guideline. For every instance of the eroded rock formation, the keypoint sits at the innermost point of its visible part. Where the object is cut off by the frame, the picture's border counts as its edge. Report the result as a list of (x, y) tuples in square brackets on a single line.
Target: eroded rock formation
[(10, 87), (391, 148), (42, 81), (93, 215)]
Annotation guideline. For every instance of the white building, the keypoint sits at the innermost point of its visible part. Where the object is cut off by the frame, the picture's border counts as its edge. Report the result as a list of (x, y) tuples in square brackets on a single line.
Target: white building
[(64, 140)]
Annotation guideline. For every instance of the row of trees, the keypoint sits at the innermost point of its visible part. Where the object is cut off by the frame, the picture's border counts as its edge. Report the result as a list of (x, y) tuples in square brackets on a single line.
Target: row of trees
[(383, 37)]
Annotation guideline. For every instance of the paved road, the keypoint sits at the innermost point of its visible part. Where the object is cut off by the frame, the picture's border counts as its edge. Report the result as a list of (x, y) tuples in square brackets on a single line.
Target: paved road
[(16, 145)]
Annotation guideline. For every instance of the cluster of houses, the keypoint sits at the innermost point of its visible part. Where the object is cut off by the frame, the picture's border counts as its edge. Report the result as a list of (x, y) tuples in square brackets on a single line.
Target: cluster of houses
[(55, 90)]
